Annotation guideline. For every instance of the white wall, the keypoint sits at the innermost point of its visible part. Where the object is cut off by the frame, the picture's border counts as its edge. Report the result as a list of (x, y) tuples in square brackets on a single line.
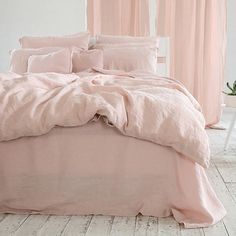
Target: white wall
[(37, 17), (231, 41)]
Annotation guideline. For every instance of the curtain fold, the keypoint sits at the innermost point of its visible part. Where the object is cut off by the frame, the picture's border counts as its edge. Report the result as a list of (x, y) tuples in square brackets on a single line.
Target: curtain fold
[(118, 17), (197, 31)]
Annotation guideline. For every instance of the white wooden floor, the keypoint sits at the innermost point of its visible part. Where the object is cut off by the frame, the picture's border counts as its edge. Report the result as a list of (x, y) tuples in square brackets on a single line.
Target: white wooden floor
[(222, 175)]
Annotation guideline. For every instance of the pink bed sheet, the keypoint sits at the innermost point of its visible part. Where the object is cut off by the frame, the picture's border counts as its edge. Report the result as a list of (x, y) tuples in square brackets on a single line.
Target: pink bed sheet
[(94, 169)]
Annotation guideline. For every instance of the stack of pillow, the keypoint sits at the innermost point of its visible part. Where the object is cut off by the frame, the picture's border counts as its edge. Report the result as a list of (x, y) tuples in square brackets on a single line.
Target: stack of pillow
[(72, 54), (128, 53)]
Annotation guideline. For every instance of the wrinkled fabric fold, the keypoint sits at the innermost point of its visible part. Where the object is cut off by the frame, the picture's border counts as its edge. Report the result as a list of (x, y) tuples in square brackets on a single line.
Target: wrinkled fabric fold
[(156, 109)]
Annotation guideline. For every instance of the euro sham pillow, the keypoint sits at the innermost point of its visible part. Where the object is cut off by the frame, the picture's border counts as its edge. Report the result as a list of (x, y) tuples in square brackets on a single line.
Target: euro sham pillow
[(84, 60), (109, 39), (19, 57), (58, 62), (80, 40), (130, 59)]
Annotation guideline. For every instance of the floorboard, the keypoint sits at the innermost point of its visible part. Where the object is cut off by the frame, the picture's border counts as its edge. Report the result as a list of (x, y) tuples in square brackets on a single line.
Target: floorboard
[(77, 226), (227, 168), (216, 230), (2, 216), (100, 225), (232, 189), (152, 227), (124, 226), (31, 225), (54, 226), (11, 223), (191, 232), (168, 226)]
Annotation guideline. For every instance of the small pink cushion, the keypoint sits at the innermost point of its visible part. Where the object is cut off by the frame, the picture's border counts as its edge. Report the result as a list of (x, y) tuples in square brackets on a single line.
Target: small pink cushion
[(19, 57), (59, 62), (84, 60), (130, 59), (80, 40)]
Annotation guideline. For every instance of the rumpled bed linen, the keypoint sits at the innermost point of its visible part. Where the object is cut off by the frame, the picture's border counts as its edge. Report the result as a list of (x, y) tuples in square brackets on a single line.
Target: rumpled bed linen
[(143, 106)]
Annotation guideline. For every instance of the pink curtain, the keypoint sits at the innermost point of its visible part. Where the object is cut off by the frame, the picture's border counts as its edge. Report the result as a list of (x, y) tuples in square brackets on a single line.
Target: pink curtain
[(197, 31), (118, 17)]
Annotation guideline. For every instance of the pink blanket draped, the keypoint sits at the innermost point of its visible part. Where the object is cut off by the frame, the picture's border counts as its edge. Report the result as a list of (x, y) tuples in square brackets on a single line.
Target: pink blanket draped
[(148, 107)]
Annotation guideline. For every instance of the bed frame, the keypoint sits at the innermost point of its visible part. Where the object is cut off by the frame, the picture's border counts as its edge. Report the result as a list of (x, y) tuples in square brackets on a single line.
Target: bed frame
[(163, 57)]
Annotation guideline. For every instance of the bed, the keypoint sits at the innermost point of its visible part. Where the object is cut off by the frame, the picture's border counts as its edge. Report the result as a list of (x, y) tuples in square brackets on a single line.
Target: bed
[(99, 163)]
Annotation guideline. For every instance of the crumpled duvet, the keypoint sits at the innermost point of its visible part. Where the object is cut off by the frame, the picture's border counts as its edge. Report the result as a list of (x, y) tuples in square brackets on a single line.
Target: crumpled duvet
[(140, 105)]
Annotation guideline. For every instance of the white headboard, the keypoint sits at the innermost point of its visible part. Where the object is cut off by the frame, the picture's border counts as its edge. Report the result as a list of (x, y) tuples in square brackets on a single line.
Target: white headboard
[(163, 64), (163, 57)]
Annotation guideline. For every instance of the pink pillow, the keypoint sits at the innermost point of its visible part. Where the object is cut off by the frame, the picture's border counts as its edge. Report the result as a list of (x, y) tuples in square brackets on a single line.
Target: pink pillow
[(152, 41), (123, 45), (80, 40), (84, 60), (19, 58), (130, 59), (59, 62)]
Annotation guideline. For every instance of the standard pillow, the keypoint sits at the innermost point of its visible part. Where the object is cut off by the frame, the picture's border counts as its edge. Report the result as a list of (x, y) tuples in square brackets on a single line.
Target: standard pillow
[(80, 40), (123, 45), (130, 59), (84, 60), (19, 58), (58, 62), (153, 41)]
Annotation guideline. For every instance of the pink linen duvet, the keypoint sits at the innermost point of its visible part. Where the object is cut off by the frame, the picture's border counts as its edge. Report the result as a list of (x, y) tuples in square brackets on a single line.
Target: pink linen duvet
[(146, 107), (155, 109)]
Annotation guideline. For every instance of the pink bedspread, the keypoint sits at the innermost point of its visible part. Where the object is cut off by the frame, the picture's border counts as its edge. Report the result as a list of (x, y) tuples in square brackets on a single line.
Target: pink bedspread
[(147, 107), (94, 169)]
